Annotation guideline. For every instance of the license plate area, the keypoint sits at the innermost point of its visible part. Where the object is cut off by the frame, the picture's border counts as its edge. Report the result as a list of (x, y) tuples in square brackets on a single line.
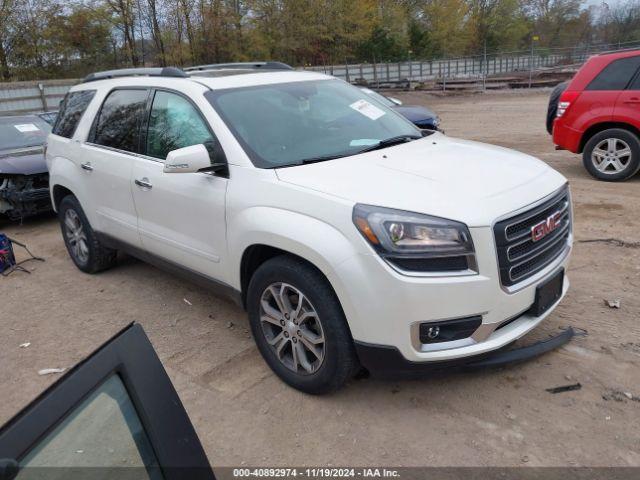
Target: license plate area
[(548, 293)]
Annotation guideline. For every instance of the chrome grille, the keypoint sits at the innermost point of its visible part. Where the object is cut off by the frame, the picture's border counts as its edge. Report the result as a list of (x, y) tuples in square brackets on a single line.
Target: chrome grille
[(519, 255)]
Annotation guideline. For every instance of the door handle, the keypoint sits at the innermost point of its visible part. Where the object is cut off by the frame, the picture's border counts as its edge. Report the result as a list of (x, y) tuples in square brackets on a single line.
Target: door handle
[(144, 183), (86, 166), (633, 100)]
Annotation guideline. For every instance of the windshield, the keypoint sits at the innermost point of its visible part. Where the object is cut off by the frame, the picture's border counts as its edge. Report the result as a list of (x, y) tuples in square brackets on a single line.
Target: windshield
[(381, 98), (22, 132), (287, 123)]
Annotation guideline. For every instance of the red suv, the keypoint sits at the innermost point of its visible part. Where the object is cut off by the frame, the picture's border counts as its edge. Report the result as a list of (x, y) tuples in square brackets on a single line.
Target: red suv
[(598, 115)]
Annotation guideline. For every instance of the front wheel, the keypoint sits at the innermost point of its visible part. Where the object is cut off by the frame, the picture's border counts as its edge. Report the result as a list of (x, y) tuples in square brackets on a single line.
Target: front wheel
[(612, 155), (299, 326)]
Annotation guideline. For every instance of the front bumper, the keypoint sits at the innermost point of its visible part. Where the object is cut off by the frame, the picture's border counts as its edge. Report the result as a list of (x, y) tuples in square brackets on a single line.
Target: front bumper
[(24, 195), (385, 361), (401, 303)]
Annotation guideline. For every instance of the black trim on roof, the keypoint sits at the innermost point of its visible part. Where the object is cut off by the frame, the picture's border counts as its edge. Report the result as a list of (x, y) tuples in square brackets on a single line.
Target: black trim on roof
[(241, 66), (136, 72)]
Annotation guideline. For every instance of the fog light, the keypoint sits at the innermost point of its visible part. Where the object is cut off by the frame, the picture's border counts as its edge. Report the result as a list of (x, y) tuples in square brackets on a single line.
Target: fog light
[(433, 332), (449, 330)]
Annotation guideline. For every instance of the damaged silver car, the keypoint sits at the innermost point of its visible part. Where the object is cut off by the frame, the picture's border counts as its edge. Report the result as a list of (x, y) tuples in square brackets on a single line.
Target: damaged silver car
[(24, 179)]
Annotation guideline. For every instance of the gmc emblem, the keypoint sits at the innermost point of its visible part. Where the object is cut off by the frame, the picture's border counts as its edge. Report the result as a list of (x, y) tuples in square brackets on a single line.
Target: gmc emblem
[(545, 227)]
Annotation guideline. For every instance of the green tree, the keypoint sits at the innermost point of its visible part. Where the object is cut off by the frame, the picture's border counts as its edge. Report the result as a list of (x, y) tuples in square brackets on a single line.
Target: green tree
[(445, 24), (500, 24)]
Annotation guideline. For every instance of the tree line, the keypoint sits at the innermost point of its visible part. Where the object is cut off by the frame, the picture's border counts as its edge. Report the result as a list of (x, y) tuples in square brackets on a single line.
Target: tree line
[(42, 39)]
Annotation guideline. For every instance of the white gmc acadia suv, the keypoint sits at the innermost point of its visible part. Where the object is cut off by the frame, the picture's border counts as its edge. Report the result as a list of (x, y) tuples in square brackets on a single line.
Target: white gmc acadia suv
[(352, 238)]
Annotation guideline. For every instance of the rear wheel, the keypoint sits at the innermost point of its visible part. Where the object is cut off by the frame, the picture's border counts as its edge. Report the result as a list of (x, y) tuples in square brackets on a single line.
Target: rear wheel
[(83, 246), (299, 326), (612, 155)]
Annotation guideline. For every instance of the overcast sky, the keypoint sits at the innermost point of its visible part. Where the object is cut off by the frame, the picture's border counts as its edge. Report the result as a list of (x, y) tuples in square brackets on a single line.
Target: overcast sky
[(611, 3)]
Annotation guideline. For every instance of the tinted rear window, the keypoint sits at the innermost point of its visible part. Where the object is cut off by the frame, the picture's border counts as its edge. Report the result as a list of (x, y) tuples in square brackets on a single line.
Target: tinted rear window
[(119, 120), (71, 110), (616, 75)]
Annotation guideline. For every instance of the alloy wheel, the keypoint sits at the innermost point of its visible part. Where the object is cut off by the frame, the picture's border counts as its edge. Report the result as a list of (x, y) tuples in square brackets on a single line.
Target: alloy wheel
[(611, 156), (76, 236), (291, 325)]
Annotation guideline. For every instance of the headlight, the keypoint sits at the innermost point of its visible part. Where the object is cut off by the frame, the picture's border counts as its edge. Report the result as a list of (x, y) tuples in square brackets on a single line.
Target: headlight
[(414, 242)]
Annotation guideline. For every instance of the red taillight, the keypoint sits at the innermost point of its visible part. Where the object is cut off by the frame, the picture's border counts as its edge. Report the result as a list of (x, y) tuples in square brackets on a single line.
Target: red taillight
[(566, 99)]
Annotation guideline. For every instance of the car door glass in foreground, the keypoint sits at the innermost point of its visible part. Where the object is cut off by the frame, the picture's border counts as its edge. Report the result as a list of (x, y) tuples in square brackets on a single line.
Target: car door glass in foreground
[(174, 123), (103, 431), (115, 415), (118, 124)]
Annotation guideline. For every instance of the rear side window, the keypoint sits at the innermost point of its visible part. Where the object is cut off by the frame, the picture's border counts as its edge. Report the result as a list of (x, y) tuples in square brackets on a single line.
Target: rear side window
[(119, 120), (71, 110), (616, 75), (635, 84)]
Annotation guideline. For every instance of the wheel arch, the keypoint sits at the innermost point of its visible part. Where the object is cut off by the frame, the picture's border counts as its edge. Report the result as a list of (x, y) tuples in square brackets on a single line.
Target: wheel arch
[(599, 127), (58, 192), (257, 254), (261, 233)]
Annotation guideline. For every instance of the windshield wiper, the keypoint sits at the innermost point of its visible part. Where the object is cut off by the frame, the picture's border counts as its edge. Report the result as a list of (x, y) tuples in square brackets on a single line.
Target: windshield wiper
[(381, 144), (306, 161), (389, 142), (321, 158)]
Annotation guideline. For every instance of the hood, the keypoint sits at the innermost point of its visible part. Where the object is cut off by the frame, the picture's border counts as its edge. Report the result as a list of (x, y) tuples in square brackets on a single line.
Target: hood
[(456, 179), (25, 161), (415, 113)]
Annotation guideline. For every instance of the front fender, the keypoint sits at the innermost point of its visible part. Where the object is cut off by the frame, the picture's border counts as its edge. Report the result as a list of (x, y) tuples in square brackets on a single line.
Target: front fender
[(309, 238)]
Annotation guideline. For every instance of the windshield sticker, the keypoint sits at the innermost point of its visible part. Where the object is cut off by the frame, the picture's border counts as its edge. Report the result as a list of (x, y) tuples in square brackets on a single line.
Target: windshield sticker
[(27, 127), (364, 142), (367, 109)]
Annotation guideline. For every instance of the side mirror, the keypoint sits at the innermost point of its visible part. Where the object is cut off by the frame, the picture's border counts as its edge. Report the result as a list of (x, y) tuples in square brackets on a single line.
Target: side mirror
[(195, 158), (395, 100)]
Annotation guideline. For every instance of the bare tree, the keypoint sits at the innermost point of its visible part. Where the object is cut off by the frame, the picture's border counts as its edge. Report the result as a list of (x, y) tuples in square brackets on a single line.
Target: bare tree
[(186, 8), (6, 14), (124, 10), (156, 33)]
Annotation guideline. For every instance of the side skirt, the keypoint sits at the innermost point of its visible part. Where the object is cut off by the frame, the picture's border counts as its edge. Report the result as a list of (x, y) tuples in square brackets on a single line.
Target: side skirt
[(217, 287)]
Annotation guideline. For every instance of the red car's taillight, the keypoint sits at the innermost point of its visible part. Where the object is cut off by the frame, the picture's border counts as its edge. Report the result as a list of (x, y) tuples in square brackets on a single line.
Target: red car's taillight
[(566, 99)]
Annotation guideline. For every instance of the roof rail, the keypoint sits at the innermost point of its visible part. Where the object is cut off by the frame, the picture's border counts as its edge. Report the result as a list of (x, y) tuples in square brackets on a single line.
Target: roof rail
[(619, 50), (241, 66), (136, 72)]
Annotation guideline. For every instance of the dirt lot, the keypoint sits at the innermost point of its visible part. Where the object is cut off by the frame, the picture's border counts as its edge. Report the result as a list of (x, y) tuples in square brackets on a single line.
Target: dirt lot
[(245, 416)]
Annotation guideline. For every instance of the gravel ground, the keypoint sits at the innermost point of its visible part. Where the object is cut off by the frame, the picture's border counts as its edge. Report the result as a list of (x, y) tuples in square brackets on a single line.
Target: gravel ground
[(245, 416)]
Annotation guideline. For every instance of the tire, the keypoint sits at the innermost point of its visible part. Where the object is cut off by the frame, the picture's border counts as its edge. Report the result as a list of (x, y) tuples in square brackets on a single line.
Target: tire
[(552, 109), (83, 246), (291, 277), (612, 167)]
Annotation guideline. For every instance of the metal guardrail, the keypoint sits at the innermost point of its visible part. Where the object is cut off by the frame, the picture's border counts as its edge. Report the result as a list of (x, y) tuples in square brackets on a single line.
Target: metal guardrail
[(476, 67), (37, 96), (437, 69)]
